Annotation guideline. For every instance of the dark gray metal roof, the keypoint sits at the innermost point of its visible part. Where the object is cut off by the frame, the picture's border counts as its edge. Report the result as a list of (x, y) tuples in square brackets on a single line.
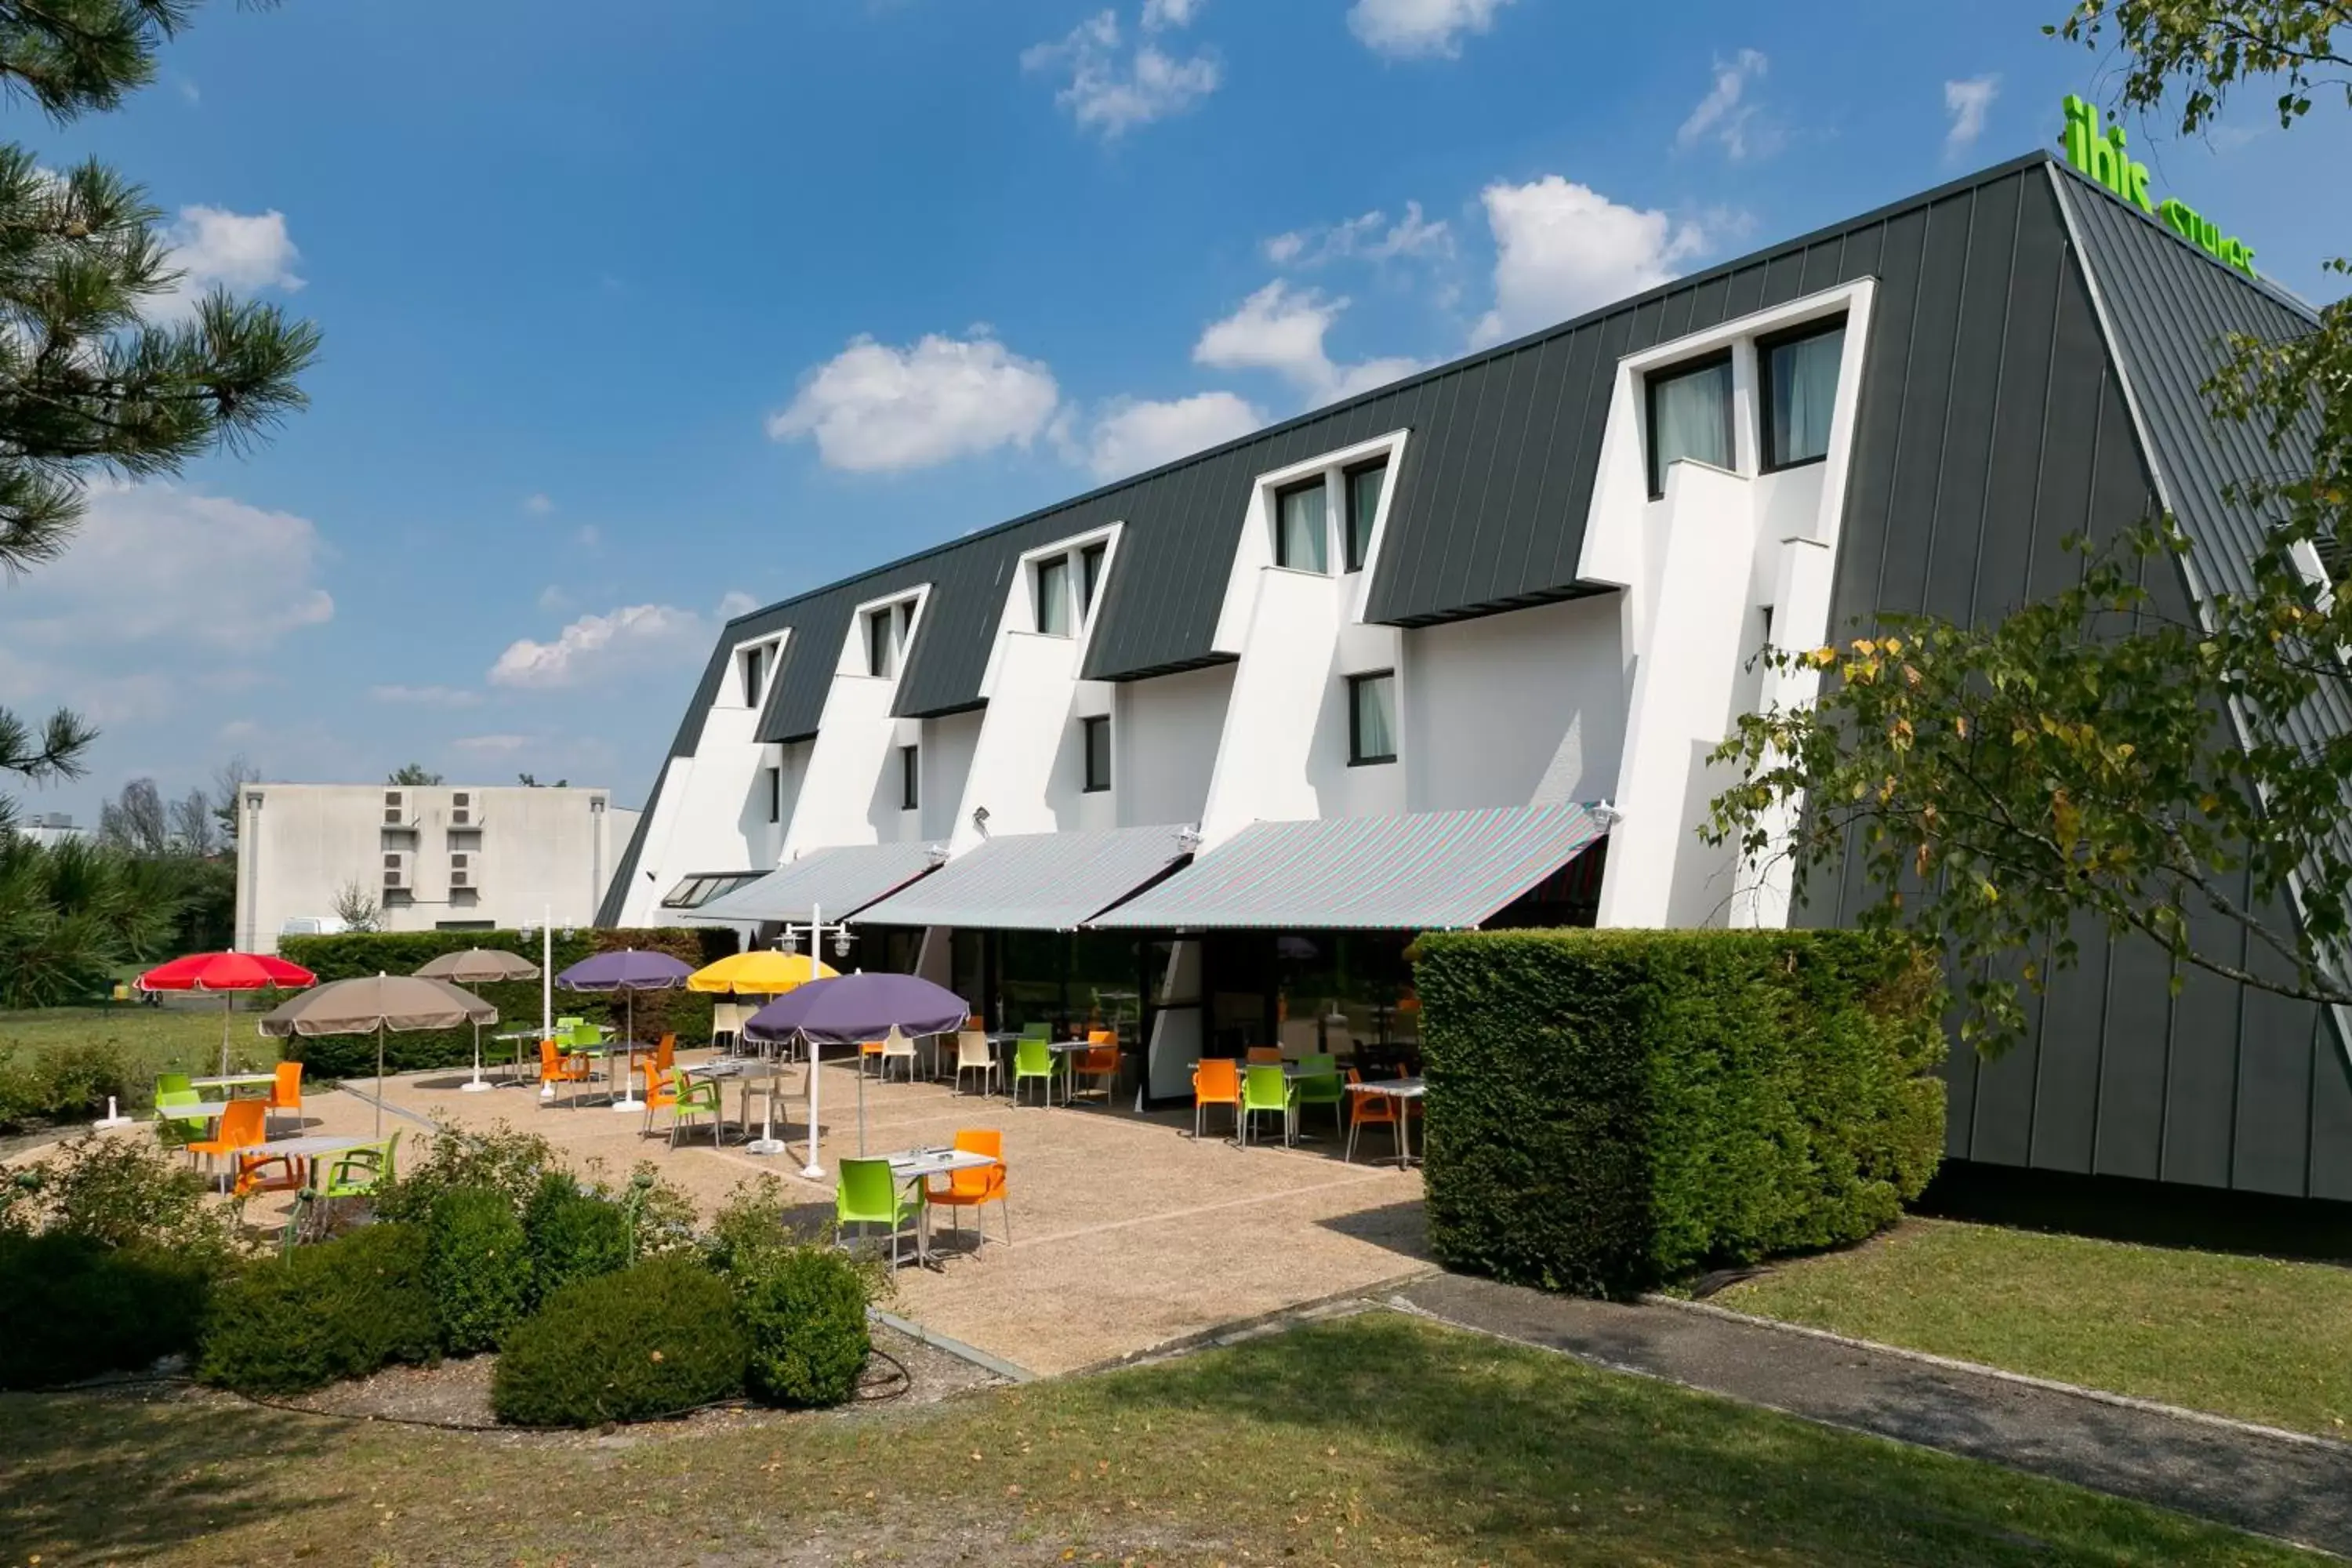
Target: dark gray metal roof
[(836, 882), (1429, 870), (1035, 881)]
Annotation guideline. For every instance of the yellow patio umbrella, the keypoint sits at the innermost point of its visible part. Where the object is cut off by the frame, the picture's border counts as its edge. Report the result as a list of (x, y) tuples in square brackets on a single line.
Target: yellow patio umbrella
[(762, 971)]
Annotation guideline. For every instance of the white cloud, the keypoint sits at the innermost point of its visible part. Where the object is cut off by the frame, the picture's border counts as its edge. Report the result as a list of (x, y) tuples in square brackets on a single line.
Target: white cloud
[(553, 598), (1726, 116), (1563, 248), (1966, 102), (1281, 328), (538, 503), (589, 537), (602, 647), (1404, 28), (875, 409), (734, 603), (243, 253), (1371, 237), (1114, 93), (426, 696), (1133, 435), (489, 745)]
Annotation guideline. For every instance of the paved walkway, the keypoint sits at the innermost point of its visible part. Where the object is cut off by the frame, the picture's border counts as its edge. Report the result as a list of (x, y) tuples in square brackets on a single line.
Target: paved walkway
[(2277, 1486)]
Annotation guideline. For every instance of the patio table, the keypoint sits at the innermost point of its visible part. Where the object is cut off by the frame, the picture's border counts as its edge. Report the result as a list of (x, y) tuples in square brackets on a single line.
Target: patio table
[(234, 1081), (299, 1153), (1403, 1091), (210, 1110), (914, 1166), (764, 1073)]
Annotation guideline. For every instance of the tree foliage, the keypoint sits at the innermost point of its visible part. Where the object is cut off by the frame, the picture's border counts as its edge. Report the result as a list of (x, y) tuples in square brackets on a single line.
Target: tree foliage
[(412, 774), (73, 912)]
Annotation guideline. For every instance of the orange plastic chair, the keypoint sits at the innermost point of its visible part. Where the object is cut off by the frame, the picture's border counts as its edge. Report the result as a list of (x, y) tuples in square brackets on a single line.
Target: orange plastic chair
[(1265, 1055), (665, 1053), (1367, 1110), (972, 1189), (252, 1177), (555, 1068), (286, 1093), (244, 1125), (870, 1050), (1217, 1080), (661, 1090), (1099, 1060)]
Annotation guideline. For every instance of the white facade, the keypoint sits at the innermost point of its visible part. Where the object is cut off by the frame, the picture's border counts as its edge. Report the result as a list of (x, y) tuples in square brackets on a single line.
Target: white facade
[(432, 858), (1613, 696)]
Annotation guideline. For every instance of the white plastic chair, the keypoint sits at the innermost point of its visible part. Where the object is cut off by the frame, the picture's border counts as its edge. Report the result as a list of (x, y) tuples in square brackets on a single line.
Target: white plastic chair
[(974, 1054), (897, 1047)]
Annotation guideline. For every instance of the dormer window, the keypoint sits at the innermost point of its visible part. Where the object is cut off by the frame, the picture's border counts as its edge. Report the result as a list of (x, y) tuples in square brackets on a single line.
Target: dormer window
[(1090, 570), (1299, 526), (1690, 416), (882, 643), (1053, 596), (755, 663), (1364, 484)]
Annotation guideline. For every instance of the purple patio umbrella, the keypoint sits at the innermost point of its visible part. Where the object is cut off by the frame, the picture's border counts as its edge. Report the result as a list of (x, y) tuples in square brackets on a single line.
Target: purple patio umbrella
[(629, 971), (850, 1008)]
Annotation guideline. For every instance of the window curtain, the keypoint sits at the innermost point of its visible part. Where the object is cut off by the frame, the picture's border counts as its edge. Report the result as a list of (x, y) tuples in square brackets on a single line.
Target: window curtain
[(1053, 597), (1363, 506), (1375, 725), (1694, 419), (1302, 541), (1804, 386)]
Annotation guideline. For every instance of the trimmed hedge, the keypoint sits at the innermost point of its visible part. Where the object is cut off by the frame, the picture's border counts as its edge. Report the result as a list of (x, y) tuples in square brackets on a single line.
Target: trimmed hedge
[(478, 1266), (573, 1234), (655, 1340), (342, 1309), (72, 1308), (1608, 1109), (404, 952), (803, 1311)]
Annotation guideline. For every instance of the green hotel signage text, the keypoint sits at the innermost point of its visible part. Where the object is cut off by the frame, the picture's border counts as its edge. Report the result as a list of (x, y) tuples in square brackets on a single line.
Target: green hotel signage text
[(2102, 157)]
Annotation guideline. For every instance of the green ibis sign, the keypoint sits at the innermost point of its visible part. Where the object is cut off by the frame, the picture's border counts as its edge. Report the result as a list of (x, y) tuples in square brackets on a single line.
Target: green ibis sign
[(2100, 154)]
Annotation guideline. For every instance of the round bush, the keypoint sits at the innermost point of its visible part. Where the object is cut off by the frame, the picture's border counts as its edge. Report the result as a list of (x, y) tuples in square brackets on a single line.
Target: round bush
[(71, 1308), (478, 1266), (573, 1235), (342, 1309), (803, 1311), (653, 1339)]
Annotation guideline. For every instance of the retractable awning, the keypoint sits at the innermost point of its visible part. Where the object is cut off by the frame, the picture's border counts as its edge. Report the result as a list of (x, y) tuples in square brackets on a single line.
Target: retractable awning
[(1429, 870), (839, 880), (1035, 881)]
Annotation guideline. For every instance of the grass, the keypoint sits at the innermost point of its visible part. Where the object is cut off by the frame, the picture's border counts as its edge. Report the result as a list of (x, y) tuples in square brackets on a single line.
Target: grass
[(1376, 1439), (2249, 1337), (148, 1040)]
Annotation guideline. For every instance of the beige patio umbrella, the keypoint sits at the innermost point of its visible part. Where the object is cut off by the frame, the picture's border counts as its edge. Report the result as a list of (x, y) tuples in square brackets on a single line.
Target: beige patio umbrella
[(478, 966), (402, 1002)]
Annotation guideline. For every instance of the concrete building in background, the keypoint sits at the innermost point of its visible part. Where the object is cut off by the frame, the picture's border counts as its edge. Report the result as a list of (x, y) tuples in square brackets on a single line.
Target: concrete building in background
[(51, 828), (436, 858)]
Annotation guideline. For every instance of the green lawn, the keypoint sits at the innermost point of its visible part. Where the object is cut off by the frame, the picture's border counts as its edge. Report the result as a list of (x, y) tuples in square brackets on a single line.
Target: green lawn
[(1377, 1439), (149, 1040), (2239, 1336)]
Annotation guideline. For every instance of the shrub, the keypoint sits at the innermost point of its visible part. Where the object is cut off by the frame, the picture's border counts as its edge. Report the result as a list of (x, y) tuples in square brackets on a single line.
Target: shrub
[(804, 1312), (572, 1235), (509, 1163), (657, 1339), (71, 1308), (1607, 1110), (342, 1309), (119, 1193), (63, 1082), (478, 1266)]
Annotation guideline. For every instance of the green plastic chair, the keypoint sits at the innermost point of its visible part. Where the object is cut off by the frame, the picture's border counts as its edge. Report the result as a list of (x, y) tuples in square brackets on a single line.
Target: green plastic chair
[(1032, 1059), (870, 1194), (1318, 1084), (1267, 1090), (695, 1097), (564, 1026), (172, 1083), (357, 1172), (177, 1132)]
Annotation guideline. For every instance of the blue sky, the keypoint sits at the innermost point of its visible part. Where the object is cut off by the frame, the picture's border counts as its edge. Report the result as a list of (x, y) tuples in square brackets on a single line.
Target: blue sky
[(635, 316)]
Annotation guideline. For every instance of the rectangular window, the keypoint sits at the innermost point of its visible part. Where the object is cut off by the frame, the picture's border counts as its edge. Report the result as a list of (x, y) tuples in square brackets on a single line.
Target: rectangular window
[(775, 794), (1800, 377), (881, 644), (1690, 416), (1053, 596), (910, 773), (1096, 734), (1299, 534), (1363, 506), (1372, 718), (753, 685), (1090, 565)]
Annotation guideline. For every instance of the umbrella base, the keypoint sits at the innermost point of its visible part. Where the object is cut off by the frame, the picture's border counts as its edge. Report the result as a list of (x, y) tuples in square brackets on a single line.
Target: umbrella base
[(631, 1103), (764, 1146), (478, 1085)]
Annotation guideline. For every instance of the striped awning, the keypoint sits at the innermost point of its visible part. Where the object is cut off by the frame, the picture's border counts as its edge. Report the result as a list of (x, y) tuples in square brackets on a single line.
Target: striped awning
[(1430, 870), (840, 881), (1035, 881)]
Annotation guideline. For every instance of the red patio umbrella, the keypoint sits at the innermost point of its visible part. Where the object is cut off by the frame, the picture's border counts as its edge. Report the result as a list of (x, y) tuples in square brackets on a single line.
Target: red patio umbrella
[(226, 971)]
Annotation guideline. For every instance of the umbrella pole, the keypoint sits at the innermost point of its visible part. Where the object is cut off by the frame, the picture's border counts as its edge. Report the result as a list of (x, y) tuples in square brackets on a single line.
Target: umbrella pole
[(477, 1086), (379, 1076), (228, 1008), (812, 1171), (625, 1098)]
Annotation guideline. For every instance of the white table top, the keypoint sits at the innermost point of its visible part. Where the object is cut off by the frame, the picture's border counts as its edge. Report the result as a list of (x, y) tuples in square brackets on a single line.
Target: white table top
[(207, 1108), (1401, 1088), (734, 1066), (233, 1080), (909, 1164), (314, 1143)]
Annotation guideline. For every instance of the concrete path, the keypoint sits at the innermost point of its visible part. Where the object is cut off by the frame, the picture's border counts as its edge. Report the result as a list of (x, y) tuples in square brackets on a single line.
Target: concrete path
[(2297, 1490)]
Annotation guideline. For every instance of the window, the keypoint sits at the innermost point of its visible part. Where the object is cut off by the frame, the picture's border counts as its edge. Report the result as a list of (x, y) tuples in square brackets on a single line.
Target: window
[(699, 888), (1095, 732), (1298, 529), (1363, 505), (1090, 565), (1800, 377), (881, 644), (1690, 416), (755, 685), (775, 794), (1053, 596), (1372, 718), (910, 772)]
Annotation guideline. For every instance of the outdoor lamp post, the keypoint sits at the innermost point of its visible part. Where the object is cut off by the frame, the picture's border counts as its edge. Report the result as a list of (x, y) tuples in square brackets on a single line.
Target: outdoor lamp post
[(789, 940)]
